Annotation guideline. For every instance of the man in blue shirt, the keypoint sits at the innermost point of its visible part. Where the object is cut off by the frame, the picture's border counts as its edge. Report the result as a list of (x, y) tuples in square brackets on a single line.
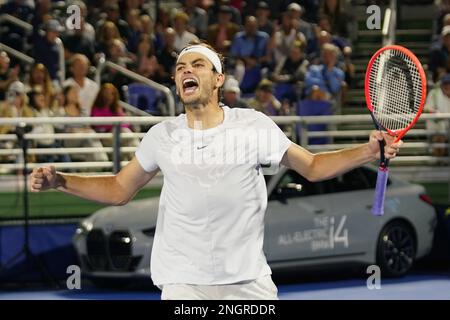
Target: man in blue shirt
[(326, 76), (249, 49)]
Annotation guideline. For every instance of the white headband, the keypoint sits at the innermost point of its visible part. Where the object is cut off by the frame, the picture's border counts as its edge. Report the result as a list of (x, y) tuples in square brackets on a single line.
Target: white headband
[(208, 53)]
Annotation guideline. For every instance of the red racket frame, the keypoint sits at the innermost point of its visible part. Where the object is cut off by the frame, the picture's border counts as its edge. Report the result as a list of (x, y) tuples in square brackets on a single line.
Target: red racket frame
[(397, 133)]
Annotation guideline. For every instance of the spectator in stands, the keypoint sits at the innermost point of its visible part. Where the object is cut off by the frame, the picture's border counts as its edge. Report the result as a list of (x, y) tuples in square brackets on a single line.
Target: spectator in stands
[(79, 41), (315, 57), (438, 101), (107, 33), (326, 75), (7, 75), (41, 14), (286, 37), (325, 25), (439, 60), (15, 105), (167, 56), (347, 66), (443, 7), (163, 20), (71, 107), (264, 99), (42, 110), (146, 62), (118, 54), (250, 54), (436, 40), (148, 27), (127, 5), (232, 93), (107, 105), (250, 45), (341, 22), (221, 34), (198, 18), (113, 15), (263, 17), (39, 80), (182, 35), (236, 16), (134, 21), (291, 70), (46, 49), (307, 29), (88, 29), (87, 89)]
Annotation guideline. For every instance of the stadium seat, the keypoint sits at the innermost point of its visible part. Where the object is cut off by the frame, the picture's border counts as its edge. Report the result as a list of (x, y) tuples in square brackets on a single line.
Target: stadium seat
[(251, 79), (284, 91), (310, 107), (144, 97)]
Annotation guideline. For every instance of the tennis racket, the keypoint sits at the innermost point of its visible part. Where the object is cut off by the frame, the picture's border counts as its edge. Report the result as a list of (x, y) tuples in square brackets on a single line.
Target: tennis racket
[(395, 91)]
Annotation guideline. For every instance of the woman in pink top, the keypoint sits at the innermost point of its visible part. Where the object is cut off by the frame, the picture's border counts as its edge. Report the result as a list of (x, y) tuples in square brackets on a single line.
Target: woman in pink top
[(107, 105)]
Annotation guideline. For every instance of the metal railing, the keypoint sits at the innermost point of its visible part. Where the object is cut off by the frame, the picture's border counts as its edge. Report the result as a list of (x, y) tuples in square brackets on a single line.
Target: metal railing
[(103, 63), (27, 59), (16, 21), (19, 55), (415, 151)]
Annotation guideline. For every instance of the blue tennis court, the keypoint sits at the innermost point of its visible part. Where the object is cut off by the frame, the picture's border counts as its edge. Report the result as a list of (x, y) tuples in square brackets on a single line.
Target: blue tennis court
[(413, 287)]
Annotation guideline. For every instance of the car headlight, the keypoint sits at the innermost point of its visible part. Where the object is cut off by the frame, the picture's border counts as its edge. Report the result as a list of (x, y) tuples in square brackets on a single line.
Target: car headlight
[(84, 227)]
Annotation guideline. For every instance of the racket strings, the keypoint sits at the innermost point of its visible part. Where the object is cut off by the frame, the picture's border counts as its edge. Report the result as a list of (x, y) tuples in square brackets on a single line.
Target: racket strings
[(395, 89)]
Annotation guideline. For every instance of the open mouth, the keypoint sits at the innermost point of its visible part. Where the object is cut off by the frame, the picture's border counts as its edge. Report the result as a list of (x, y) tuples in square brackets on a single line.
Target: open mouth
[(189, 85)]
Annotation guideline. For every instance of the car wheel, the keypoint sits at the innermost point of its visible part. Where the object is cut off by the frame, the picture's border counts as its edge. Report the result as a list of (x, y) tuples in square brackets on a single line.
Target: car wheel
[(396, 249)]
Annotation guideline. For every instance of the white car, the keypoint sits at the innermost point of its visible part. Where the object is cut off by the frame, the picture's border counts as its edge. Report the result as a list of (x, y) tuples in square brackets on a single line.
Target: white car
[(307, 224)]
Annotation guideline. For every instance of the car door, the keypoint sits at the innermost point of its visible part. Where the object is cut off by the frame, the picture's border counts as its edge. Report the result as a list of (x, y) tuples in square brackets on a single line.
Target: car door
[(291, 224), (328, 218), (350, 196)]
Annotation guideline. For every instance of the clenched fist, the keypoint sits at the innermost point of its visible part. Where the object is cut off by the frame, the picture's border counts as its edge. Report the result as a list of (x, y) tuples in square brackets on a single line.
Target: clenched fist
[(43, 178)]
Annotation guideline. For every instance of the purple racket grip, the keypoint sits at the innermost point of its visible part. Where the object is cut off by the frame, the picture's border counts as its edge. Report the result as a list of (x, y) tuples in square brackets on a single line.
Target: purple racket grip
[(380, 190)]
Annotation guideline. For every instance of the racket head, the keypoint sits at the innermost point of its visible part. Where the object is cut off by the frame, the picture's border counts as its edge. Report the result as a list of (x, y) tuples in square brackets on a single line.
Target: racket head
[(395, 89)]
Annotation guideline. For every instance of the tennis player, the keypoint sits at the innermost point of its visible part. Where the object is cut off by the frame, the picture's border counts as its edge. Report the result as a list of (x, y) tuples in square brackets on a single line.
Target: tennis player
[(209, 235)]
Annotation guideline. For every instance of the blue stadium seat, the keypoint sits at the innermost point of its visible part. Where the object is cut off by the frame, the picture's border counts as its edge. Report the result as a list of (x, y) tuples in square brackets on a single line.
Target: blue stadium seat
[(284, 91), (251, 79), (144, 98), (310, 107)]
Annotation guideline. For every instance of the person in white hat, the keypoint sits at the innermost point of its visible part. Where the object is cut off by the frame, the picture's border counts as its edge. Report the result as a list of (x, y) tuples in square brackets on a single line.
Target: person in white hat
[(232, 94), (208, 242)]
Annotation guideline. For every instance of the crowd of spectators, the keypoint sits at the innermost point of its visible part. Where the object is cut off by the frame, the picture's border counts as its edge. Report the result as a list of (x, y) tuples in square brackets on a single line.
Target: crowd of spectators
[(438, 99), (277, 54)]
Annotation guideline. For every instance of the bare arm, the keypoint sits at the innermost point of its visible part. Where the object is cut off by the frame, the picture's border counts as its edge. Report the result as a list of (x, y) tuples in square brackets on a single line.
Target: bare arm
[(326, 165), (113, 189)]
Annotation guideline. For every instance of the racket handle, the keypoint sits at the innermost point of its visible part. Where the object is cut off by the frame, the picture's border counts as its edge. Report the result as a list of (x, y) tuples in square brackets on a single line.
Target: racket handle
[(380, 190)]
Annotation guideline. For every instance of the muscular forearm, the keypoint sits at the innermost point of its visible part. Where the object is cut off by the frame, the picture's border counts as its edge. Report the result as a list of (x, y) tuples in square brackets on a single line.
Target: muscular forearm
[(103, 189), (327, 165)]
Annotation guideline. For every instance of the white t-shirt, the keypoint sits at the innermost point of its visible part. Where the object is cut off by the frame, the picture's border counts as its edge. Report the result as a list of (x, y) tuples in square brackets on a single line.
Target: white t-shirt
[(86, 94), (211, 214)]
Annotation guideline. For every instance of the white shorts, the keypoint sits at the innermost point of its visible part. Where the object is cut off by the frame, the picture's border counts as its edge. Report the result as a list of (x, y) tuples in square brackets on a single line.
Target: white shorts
[(259, 289)]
